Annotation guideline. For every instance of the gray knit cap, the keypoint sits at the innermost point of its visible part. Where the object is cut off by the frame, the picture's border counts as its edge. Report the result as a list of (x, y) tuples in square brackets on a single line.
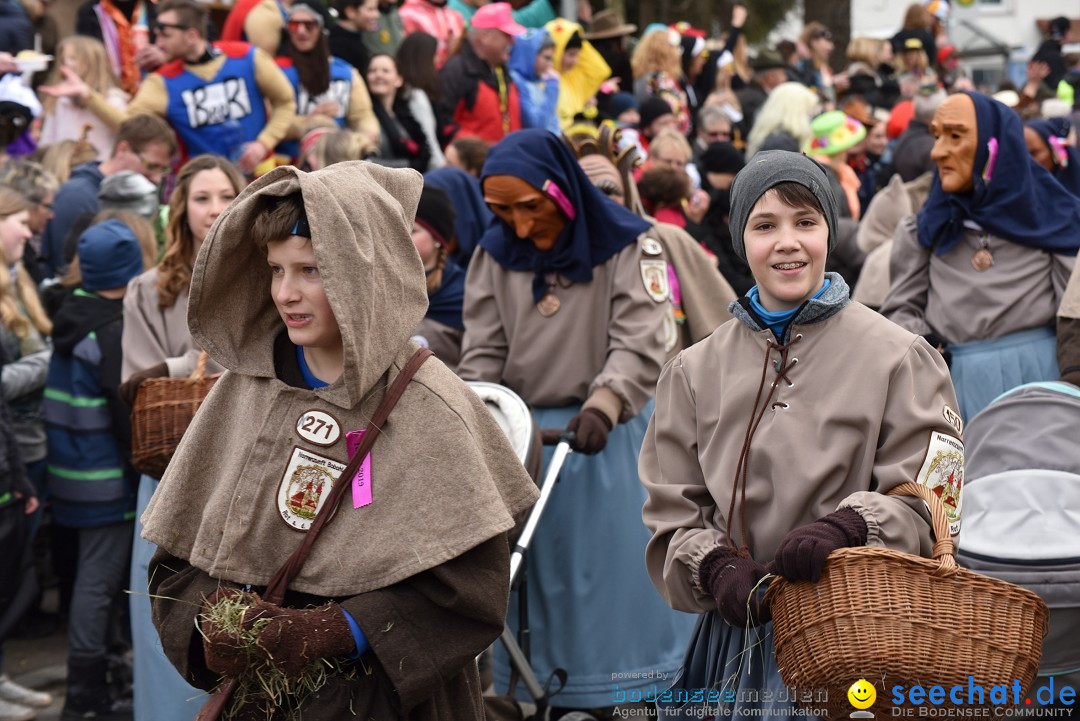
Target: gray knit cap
[(768, 169), (128, 190)]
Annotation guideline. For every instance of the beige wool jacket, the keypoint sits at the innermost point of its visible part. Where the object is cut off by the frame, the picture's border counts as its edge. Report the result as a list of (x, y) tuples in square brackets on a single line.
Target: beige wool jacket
[(860, 412), (946, 295), (261, 455), (875, 234), (603, 348), (154, 335)]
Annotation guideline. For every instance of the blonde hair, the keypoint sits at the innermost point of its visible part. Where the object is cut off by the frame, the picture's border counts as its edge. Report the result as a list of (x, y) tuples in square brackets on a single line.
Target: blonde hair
[(174, 270), (864, 50), (919, 67), (96, 71), (140, 227), (15, 319), (337, 146), (63, 155), (787, 110), (654, 53), (669, 137)]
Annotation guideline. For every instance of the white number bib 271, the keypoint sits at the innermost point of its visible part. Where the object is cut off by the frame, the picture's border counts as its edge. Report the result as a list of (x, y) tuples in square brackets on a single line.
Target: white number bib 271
[(318, 427)]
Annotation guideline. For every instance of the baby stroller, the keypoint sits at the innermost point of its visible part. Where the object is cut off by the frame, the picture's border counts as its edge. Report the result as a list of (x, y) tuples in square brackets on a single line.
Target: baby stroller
[(1021, 493), (513, 416)]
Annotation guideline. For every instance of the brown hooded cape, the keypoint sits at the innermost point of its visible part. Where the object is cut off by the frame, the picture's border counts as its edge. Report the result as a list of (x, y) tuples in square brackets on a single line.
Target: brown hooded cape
[(445, 482)]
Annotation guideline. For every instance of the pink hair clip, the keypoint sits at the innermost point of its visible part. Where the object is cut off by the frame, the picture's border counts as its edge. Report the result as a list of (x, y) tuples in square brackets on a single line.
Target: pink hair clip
[(556, 193), (988, 171)]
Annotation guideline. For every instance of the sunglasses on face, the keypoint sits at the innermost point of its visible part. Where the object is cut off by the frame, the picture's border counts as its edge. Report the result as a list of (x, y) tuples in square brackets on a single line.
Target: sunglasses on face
[(309, 26), (823, 34), (159, 26)]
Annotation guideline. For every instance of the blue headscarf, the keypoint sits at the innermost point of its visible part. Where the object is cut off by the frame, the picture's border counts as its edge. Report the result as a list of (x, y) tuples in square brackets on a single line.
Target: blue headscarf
[(597, 228), (1013, 196), (1053, 131), (472, 214), (444, 305)]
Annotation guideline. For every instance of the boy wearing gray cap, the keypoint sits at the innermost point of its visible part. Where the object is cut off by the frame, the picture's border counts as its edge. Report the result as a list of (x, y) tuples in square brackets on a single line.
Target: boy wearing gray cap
[(826, 406)]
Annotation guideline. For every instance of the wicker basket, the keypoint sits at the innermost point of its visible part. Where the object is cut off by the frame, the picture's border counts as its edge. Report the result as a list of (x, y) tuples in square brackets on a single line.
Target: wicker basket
[(162, 411), (893, 618)]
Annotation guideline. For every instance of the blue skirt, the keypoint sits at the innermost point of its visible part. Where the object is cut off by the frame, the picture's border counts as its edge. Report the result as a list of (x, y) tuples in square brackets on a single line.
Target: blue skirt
[(161, 693), (983, 370), (592, 609), (727, 672)]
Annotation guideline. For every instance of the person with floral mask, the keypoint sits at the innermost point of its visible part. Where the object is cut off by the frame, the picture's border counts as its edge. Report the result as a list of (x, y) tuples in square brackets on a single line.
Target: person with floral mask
[(980, 271), (566, 301)]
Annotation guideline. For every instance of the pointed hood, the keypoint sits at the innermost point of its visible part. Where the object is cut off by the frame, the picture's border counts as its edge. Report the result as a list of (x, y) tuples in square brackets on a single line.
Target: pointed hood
[(362, 243)]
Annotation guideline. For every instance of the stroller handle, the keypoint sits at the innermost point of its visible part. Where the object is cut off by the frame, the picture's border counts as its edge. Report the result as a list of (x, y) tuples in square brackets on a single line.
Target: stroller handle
[(555, 436)]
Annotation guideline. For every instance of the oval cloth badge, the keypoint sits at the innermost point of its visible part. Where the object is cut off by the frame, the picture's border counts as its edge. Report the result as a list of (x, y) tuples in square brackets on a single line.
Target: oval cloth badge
[(318, 427)]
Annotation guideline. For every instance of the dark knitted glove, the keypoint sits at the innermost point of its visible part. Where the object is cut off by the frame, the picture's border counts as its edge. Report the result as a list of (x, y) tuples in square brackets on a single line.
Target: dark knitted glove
[(801, 554), (731, 579), (295, 637), (591, 428), (220, 648), (130, 387)]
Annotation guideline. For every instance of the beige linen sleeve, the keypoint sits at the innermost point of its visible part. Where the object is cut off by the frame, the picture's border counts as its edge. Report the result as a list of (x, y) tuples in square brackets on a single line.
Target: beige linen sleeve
[(151, 99), (635, 344), (277, 91), (144, 347), (920, 442), (263, 26), (680, 512), (909, 270), (484, 347)]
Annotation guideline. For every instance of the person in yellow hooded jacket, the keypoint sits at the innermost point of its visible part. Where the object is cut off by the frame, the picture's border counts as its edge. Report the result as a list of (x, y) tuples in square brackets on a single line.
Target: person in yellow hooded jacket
[(582, 70)]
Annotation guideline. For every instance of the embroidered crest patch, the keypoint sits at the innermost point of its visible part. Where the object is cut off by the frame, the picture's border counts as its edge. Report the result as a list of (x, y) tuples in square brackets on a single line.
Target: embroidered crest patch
[(318, 427), (651, 246), (943, 473), (304, 487), (654, 276)]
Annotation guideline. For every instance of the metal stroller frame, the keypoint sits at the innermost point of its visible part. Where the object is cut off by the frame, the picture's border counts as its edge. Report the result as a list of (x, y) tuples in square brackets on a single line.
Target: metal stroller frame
[(517, 648)]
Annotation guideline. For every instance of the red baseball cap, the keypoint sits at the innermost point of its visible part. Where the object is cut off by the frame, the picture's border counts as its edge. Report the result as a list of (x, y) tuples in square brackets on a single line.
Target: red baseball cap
[(496, 16)]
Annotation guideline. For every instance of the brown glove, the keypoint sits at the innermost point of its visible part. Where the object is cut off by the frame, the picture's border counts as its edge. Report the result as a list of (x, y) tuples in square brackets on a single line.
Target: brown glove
[(130, 387), (591, 428), (802, 552), (221, 648), (295, 637), (731, 579)]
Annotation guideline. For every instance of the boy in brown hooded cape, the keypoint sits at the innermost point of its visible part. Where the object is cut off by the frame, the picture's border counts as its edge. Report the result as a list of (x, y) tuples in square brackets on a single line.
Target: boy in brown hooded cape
[(307, 290)]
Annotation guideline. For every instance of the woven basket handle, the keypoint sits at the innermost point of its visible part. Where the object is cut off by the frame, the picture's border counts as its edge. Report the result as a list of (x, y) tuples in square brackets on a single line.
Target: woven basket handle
[(200, 368), (944, 546)]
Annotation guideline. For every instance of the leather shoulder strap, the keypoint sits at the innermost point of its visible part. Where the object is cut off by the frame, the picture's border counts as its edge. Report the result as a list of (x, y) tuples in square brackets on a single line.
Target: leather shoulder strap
[(275, 590)]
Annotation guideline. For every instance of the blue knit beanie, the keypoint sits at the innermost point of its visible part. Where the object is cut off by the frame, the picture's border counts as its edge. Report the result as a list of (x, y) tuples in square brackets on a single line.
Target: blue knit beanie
[(109, 256)]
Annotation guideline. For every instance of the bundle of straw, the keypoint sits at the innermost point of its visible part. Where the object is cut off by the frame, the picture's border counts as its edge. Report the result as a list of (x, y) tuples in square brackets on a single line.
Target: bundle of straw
[(263, 685)]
